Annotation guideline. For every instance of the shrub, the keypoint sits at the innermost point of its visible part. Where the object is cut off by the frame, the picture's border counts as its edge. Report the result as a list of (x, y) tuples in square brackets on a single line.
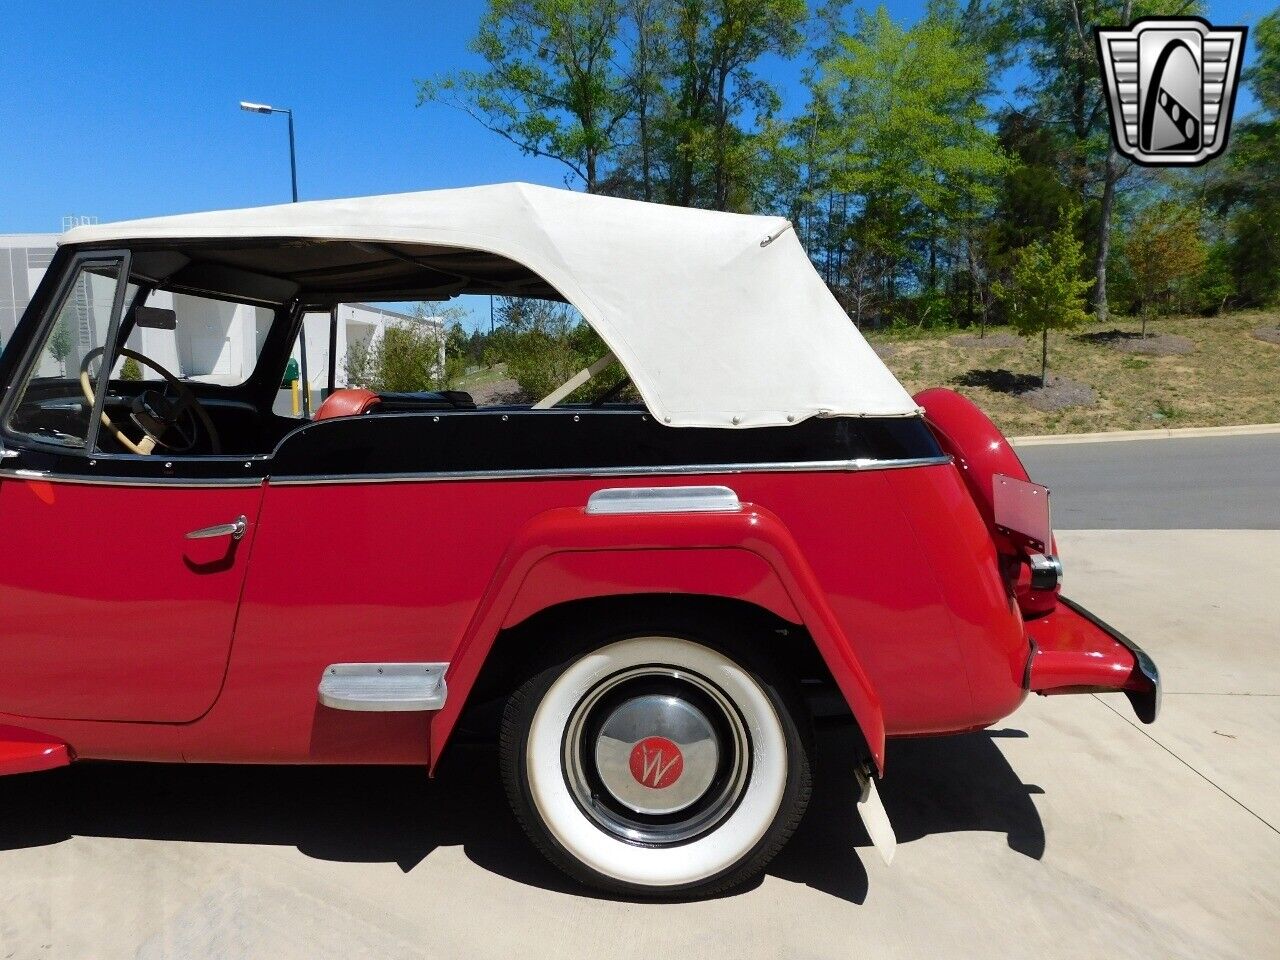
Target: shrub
[(544, 343), (405, 358)]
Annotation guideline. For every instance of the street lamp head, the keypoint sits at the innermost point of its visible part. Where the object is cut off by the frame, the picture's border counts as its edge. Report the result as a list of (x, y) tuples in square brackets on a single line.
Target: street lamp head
[(256, 107)]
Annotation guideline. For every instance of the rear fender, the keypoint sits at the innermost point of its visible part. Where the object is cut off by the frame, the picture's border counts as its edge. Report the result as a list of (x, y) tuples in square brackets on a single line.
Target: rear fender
[(981, 453), (566, 554)]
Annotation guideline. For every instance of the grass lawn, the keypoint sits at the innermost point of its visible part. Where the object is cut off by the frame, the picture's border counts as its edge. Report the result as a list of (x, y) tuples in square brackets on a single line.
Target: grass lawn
[(1229, 377), (481, 377)]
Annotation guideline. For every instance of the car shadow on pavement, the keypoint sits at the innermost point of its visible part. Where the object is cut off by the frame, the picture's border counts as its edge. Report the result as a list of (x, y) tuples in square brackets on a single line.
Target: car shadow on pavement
[(399, 815)]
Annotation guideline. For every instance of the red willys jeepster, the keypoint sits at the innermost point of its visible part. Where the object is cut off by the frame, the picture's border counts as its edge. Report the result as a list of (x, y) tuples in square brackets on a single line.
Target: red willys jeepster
[(656, 591)]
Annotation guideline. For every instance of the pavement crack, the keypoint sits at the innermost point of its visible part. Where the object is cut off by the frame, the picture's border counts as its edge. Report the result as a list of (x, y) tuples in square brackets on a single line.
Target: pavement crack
[(1215, 693), (1253, 813)]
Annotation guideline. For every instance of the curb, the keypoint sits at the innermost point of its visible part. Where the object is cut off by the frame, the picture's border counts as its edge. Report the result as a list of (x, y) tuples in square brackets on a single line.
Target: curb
[(1182, 433)]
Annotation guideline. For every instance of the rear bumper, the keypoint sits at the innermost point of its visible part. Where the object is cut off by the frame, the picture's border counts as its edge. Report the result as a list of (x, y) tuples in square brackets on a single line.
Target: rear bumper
[(1072, 651)]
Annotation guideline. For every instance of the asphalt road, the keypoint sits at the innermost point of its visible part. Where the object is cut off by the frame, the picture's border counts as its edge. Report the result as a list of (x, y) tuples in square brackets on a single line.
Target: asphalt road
[(1206, 483)]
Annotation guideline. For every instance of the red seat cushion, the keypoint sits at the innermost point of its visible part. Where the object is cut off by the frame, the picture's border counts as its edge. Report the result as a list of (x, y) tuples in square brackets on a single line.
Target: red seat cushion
[(350, 402)]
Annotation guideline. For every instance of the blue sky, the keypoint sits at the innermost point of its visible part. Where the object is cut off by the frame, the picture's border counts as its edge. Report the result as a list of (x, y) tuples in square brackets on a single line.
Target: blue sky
[(130, 109)]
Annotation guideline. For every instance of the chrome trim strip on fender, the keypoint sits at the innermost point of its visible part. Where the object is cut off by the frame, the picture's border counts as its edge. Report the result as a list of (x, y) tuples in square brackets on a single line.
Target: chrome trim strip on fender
[(809, 466), (806, 466), (132, 481), (630, 500), (384, 687)]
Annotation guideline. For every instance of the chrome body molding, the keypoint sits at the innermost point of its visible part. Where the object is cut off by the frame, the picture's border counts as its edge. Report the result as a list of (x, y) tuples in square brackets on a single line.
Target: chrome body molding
[(384, 687), (631, 500), (52, 477), (677, 470)]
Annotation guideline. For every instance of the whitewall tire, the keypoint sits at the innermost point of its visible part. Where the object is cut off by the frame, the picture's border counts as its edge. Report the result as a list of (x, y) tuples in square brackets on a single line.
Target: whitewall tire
[(657, 764)]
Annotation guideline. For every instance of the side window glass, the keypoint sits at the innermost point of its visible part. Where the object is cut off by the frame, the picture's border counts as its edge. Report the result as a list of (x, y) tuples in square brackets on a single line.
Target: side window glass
[(52, 404), (211, 341)]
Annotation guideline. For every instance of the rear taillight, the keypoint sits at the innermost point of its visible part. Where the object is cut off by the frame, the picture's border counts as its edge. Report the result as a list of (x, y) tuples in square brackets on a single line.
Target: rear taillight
[(1004, 495)]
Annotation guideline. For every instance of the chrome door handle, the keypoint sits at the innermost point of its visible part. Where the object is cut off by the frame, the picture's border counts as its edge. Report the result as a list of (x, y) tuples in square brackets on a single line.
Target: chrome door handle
[(235, 530)]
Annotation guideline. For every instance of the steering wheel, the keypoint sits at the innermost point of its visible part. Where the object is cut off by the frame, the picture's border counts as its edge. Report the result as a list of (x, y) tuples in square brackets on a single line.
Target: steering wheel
[(160, 417)]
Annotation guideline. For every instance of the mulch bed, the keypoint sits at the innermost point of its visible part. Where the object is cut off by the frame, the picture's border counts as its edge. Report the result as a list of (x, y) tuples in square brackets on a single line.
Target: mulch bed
[(1268, 335), (1153, 345), (992, 341), (1058, 394)]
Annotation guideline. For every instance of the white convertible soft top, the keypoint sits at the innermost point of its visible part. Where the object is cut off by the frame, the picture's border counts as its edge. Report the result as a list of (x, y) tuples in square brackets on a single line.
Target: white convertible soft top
[(719, 318)]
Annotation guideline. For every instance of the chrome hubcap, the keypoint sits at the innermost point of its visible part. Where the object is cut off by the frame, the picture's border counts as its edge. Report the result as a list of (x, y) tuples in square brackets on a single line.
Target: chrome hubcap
[(656, 755)]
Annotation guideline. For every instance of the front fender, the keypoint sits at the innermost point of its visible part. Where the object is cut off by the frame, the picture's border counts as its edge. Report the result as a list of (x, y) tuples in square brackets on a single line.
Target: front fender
[(732, 548)]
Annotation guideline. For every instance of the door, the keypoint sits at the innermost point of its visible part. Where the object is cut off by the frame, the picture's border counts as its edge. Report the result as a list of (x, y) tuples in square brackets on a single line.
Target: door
[(108, 609)]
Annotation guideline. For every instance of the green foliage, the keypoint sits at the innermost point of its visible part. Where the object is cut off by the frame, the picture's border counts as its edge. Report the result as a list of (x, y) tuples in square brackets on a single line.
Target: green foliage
[(60, 341), (897, 163), (906, 118), (1046, 291), (543, 344), (1166, 254), (914, 199), (408, 356), (1264, 76), (707, 152), (1066, 94), (552, 85), (1247, 195), (656, 99), (130, 370)]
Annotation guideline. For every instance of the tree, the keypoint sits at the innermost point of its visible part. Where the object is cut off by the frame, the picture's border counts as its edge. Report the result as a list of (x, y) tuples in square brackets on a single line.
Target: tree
[(656, 99), (60, 343), (902, 159), (710, 156), (552, 86), (1046, 291), (1247, 195), (1067, 94), (1165, 252)]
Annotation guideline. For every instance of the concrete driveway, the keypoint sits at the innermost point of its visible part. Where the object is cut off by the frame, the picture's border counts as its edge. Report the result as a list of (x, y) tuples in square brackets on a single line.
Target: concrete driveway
[(1067, 832)]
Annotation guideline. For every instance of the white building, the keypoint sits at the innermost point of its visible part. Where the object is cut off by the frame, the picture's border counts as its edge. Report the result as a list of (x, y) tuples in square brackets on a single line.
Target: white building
[(223, 342)]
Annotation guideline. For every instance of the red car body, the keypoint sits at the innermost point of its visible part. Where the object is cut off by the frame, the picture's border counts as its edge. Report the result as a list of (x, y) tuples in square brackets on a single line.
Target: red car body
[(270, 591), (216, 656)]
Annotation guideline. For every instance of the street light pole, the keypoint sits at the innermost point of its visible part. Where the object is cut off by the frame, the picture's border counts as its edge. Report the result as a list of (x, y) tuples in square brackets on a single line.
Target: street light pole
[(293, 177), (293, 153), (293, 158)]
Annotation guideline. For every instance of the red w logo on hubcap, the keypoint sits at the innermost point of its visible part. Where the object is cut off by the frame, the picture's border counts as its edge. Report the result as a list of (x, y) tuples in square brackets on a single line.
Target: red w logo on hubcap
[(656, 762)]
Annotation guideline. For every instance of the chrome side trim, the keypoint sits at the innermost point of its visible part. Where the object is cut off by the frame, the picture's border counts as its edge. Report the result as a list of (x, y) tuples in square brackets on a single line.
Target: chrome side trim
[(384, 687), (630, 500), (132, 481), (679, 470)]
